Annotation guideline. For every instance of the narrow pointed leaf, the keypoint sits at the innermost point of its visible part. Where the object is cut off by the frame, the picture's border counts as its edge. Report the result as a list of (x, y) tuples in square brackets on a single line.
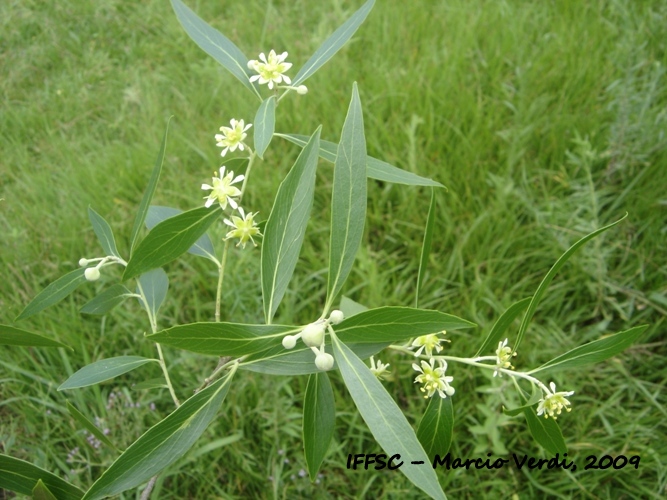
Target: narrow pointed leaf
[(542, 288), (54, 293), (319, 415), (286, 226), (10, 335), (437, 426), (22, 477), (162, 444), (596, 351), (348, 200), (153, 287), (89, 426), (202, 247), (545, 431), (375, 169), (215, 44), (264, 125), (497, 333), (349, 307), (107, 300), (426, 245), (104, 233), (170, 239), (385, 419), (333, 44), (41, 492), (102, 370), (150, 191)]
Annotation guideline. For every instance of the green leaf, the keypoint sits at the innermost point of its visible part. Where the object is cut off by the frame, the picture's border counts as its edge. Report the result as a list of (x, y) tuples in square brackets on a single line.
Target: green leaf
[(41, 492), (385, 419), (437, 426), (501, 325), (541, 289), (162, 444), (102, 370), (348, 199), (223, 339), (90, 427), (215, 44), (319, 415), (153, 383), (534, 399), (349, 307), (265, 124), (22, 477), (10, 335), (107, 300), (333, 44), (202, 247), (150, 191), (170, 239), (375, 169), (103, 232), (426, 245), (54, 293), (286, 226), (595, 351), (545, 431), (153, 287)]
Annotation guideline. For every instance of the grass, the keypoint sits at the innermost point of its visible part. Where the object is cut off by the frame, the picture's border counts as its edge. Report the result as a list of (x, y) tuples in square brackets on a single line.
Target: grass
[(544, 119)]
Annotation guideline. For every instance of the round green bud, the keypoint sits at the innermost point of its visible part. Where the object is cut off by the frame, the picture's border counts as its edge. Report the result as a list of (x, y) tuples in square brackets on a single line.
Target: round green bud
[(92, 274), (313, 335)]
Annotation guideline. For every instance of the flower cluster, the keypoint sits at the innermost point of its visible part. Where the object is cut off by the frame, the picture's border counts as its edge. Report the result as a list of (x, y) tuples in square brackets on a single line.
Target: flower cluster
[(503, 357), (432, 378), (313, 335), (552, 404)]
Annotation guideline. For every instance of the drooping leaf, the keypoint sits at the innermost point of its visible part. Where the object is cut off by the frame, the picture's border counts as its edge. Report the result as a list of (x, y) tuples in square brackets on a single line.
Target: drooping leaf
[(319, 414), (89, 426), (215, 44), (153, 287), (170, 239), (22, 477), (102, 370), (437, 426), (496, 334), (348, 199), (41, 492), (202, 247), (596, 351), (10, 335), (385, 419), (54, 293), (264, 125), (286, 226), (333, 44), (150, 191), (162, 444), (104, 233), (426, 245), (107, 300), (375, 169)]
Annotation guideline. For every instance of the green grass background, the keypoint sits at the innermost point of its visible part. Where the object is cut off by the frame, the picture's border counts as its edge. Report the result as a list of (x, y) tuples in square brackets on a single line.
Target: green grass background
[(544, 119)]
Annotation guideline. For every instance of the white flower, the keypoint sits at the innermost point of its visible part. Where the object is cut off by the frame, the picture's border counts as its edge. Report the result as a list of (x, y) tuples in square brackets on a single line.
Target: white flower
[(434, 379), (503, 358), (270, 70), (379, 369), (222, 190), (232, 137), (553, 403), (245, 227), (428, 343)]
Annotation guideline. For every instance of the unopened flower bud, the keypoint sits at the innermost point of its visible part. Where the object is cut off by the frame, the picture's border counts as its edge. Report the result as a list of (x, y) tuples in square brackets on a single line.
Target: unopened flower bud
[(313, 335), (92, 274), (336, 317), (252, 63), (83, 262), (289, 341), (302, 90), (324, 361)]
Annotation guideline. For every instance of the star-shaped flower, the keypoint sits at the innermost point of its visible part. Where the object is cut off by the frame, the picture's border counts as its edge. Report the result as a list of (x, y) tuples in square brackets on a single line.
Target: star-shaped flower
[(271, 69), (429, 343), (553, 403), (245, 227), (379, 369), (503, 357), (434, 379), (222, 190), (232, 137)]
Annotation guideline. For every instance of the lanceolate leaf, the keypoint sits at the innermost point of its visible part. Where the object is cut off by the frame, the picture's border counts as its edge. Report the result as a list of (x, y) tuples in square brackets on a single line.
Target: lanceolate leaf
[(264, 125), (286, 226), (150, 191), (22, 477), (348, 200), (375, 169), (426, 245), (319, 414), (385, 419), (54, 293), (437, 426), (170, 239), (595, 351), (16, 336), (202, 247), (102, 370), (107, 300), (162, 444), (333, 44), (41, 492), (545, 431), (500, 327), (153, 287), (542, 288), (90, 427), (349, 307), (215, 44), (103, 232)]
